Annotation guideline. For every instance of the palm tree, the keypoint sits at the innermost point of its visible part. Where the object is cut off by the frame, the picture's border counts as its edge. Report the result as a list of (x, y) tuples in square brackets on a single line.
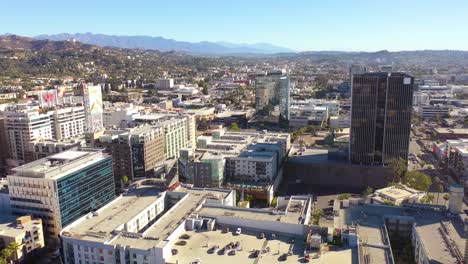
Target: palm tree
[(446, 198), (437, 183), (14, 247)]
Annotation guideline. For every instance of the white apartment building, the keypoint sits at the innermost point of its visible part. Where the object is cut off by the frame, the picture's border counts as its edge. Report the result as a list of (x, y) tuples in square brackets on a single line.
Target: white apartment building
[(114, 116), (165, 83), (68, 122), (302, 116), (175, 136), (255, 166), (179, 130), (421, 98), (23, 124)]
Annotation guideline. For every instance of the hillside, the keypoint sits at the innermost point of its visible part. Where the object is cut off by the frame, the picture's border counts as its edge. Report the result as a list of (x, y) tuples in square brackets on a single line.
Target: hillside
[(22, 56)]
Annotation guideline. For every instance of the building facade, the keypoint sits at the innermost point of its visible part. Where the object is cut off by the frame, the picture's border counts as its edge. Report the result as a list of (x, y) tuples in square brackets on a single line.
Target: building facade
[(68, 122), (22, 125), (63, 187), (135, 152), (25, 231), (380, 117), (273, 89)]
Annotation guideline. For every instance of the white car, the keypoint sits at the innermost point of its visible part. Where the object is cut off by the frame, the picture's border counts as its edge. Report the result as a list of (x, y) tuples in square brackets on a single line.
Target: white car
[(238, 231)]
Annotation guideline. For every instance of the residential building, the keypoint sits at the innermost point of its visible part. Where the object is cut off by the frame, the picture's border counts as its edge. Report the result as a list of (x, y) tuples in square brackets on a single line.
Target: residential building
[(273, 89), (63, 187), (125, 97), (433, 111), (68, 122), (40, 148), (205, 172), (23, 124), (421, 98), (24, 231), (380, 117), (135, 152), (179, 130), (119, 115), (165, 84)]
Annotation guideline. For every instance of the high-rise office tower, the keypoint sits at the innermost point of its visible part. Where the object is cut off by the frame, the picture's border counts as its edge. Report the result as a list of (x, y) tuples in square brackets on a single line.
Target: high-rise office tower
[(63, 187), (380, 117), (284, 97), (273, 89)]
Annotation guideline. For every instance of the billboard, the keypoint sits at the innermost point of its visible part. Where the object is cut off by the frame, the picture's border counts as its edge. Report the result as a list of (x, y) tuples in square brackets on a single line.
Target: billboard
[(92, 100)]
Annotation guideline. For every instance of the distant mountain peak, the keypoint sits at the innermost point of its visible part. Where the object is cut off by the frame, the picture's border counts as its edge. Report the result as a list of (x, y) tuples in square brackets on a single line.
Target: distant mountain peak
[(164, 44)]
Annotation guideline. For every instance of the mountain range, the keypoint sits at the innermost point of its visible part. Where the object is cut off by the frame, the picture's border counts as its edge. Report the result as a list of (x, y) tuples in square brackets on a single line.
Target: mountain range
[(164, 44)]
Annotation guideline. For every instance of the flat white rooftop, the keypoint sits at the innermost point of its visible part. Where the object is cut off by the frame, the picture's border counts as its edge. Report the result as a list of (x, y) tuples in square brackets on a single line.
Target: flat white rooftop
[(61, 164), (102, 226)]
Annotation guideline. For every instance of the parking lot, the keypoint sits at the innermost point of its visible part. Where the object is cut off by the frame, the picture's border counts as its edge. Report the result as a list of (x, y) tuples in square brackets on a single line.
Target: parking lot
[(207, 246)]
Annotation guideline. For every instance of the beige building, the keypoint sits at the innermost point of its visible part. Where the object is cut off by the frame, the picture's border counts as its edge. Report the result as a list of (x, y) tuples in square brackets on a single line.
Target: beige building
[(25, 231)]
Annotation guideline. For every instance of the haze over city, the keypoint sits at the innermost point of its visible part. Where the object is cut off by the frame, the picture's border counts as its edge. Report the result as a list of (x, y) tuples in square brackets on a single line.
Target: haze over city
[(301, 25)]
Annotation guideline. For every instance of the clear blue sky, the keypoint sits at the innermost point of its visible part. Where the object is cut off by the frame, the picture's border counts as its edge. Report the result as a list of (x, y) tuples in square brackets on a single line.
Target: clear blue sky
[(298, 24)]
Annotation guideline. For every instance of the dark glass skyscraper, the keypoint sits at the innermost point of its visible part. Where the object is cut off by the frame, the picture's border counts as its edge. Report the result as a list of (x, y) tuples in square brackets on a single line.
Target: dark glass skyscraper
[(380, 117)]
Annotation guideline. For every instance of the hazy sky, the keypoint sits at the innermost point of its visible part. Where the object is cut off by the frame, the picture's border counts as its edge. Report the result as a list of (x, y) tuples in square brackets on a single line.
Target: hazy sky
[(298, 24)]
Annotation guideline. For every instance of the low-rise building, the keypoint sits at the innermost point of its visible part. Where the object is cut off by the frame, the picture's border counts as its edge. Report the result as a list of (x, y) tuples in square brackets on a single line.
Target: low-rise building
[(443, 133), (433, 111), (25, 231), (39, 149), (396, 194), (140, 226)]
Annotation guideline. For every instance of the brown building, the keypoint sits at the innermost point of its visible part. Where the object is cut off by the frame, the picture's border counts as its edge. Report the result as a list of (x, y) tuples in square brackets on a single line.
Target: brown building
[(135, 152), (381, 106), (3, 152), (442, 133), (123, 97)]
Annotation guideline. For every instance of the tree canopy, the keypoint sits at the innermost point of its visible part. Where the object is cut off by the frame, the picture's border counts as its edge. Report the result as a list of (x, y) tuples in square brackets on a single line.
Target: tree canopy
[(417, 180)]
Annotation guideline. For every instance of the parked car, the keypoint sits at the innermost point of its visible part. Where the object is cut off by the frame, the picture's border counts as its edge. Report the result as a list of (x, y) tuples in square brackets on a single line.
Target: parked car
[(238, 231)]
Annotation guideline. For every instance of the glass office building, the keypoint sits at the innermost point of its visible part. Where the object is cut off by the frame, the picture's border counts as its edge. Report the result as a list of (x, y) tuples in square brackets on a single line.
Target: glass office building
[(381, 105), (63, 187)]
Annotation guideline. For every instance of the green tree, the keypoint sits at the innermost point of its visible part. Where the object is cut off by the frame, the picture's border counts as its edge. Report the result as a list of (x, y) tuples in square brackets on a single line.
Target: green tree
[(274, 202), (125, 180), (428, 198), (316, 216), (368, 191), (311, 129), (203, 125), (399, 168), (14, 247), (439, 187), (301, 143), (344, 196), (235, 127), (250, 198), (417, 180), (446, 198)]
